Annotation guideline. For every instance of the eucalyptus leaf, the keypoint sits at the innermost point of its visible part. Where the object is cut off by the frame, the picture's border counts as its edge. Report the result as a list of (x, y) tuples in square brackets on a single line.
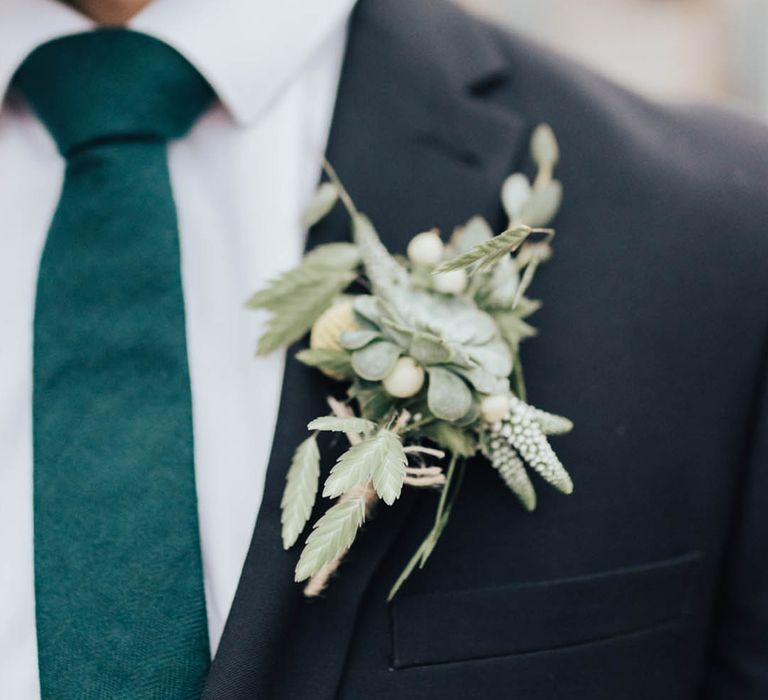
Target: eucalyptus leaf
[(300, 490), (326, 195), (448, 396), (375, 361), (342, 424), (331, 535)]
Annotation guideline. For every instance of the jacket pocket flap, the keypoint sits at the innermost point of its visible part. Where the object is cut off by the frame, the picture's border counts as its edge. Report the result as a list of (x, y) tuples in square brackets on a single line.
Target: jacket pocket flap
[(474, 624)]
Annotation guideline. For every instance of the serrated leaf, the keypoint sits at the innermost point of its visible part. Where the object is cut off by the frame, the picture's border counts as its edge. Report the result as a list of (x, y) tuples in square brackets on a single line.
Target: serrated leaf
[(485, 255), (326, 195), (293, 315), (331, 535), (448, 397), (335, 362), (315, 265), (342, 424), (389, 468), (300, 490), (359, 463), (375, 361)]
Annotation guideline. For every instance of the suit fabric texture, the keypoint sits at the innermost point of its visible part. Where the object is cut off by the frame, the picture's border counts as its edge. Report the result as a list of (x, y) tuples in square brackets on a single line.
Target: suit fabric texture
[(651, 580)]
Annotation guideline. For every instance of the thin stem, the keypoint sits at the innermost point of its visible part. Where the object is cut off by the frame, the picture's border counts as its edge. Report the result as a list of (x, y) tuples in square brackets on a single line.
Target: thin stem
[(346, 200), (444, 493), (421, 555), (520, 391)]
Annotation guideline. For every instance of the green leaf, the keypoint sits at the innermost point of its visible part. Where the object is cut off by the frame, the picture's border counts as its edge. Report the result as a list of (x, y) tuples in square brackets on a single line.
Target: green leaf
[(451, 438), (337, 256), (345, 424), (382, 269), (513, 329), (527, 307), (293, 316), (448, 396), (375, 404), (375, 361), (336, 362), (300, 490), (363, 461), (314, 266), (485, 255), (326, 195), (389, 468), (331, 535), (429, 349)]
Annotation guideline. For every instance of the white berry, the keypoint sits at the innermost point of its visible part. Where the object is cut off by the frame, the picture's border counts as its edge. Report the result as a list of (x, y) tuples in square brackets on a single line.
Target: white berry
[(451, 282), (426, 249), (494, 408), (405, 379)]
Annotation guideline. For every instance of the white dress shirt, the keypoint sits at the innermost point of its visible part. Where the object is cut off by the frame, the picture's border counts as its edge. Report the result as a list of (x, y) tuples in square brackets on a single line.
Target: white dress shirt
[(241, 179)]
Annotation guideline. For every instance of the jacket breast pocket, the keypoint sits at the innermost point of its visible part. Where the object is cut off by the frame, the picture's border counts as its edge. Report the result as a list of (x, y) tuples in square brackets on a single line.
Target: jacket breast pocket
[(444, 627)]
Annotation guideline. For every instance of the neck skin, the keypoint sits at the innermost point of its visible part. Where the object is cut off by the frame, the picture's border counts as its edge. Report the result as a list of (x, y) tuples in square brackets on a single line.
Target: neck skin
[(109, 12)]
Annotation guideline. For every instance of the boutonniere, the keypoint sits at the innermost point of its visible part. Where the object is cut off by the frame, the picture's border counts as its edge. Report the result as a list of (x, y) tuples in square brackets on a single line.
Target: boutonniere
[(429, 358)]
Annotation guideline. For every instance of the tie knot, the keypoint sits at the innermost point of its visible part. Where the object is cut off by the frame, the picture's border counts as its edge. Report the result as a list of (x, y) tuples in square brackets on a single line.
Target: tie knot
[(111, 85)]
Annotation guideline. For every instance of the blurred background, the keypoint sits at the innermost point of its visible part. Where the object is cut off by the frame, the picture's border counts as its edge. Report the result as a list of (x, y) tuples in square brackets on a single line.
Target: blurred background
[(701, 50)]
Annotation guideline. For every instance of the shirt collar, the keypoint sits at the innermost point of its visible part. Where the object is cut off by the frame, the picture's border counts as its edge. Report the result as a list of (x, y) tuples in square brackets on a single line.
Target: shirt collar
[(248, 51)]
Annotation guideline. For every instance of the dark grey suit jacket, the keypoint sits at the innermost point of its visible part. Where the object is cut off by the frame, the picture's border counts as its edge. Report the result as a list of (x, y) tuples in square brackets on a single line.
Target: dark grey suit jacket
[(650, 581)]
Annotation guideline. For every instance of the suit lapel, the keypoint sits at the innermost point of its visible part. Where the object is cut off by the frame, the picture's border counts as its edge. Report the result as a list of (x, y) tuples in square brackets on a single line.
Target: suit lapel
[(418, 142)]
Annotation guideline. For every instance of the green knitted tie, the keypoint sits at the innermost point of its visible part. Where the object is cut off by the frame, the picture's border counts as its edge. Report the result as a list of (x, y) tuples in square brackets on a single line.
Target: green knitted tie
[(118, 574)]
